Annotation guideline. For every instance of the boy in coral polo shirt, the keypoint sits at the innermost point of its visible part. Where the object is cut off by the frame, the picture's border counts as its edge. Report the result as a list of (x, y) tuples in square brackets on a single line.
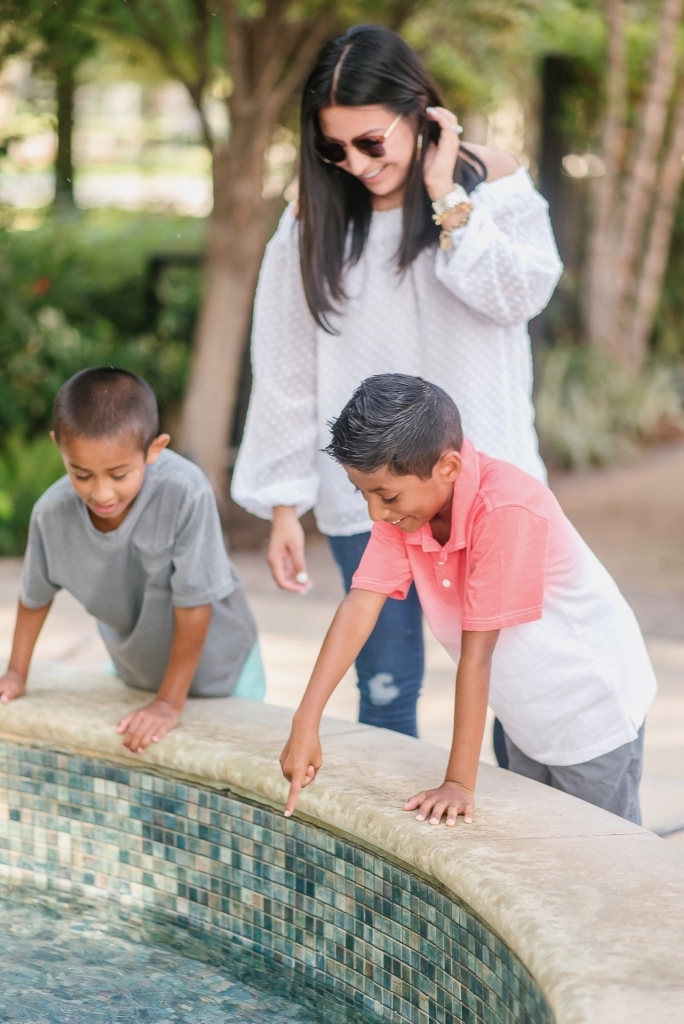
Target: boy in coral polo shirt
[(537, 626)]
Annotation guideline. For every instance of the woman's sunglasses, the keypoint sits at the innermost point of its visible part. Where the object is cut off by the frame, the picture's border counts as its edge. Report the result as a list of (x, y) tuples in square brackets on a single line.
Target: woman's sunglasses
[(369, 145)]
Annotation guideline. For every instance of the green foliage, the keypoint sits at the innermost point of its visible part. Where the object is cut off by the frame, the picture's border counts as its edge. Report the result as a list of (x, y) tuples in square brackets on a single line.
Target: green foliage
[(59, 29), (27, 468), (473, 48), (93, 267), (74, 294), (590, 412)]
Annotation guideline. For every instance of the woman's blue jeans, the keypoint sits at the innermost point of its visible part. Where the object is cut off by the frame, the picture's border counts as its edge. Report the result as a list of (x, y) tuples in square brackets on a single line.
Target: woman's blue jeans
[(391, 662)]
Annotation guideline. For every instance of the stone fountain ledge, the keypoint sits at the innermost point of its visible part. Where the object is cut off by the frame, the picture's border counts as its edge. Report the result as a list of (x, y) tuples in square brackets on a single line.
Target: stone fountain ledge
[(592, 905)]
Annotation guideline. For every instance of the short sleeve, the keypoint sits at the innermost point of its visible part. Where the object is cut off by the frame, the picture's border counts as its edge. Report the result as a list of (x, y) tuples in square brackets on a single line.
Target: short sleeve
[(37, 589), (384, 568), (201, 571), (506, 570)]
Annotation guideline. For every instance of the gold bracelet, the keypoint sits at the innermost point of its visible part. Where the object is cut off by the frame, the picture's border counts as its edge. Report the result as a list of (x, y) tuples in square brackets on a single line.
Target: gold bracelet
[(462, 213)]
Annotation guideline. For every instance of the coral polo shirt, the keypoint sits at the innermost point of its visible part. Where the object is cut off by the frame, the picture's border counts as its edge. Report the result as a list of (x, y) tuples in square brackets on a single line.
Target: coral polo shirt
[(571, 678)]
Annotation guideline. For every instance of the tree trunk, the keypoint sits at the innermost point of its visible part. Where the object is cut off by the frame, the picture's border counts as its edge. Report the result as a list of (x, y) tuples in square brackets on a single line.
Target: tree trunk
[(269, 58), (599, 277), (64, 167), (657, 250), (237, 238), (644, 171)]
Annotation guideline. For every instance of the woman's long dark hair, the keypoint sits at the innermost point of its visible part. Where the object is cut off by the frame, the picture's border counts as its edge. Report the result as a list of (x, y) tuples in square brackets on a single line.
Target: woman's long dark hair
[(367, 65)]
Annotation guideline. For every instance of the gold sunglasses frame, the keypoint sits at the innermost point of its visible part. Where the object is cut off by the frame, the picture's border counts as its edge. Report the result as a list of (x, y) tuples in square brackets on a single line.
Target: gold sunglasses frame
[(360, 138)]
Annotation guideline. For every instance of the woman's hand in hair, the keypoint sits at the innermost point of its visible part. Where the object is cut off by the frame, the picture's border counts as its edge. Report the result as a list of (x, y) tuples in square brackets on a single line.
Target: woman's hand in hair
[(286, 551), (440, 159)]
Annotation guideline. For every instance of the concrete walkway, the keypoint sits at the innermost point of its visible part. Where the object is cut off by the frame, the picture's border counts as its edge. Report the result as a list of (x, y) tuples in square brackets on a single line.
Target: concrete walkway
[(632, 516)]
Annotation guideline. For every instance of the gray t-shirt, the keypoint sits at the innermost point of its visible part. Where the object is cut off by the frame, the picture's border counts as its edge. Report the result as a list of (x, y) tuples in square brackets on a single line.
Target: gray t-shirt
[(168, 551)]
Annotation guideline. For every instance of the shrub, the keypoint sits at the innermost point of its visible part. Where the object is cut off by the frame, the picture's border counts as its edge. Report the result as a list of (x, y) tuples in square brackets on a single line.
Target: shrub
[(77, 293), (37, 354), (27, 468), (591, 412)]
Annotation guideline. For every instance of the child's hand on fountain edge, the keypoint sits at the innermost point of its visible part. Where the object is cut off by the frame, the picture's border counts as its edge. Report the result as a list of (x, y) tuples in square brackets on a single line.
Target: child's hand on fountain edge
[(456, 795), (300, 760), (151, 722), (148, 725)]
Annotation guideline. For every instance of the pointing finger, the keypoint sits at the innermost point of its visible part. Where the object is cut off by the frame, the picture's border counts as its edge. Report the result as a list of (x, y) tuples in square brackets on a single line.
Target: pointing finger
[(293, 795)]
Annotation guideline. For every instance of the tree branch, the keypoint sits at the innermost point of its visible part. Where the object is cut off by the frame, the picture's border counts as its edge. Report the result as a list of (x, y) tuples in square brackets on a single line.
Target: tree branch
[(399, 13), (236, 54), (320, 29), (156, 40), (660, 235), (600, 283), (639, 187)]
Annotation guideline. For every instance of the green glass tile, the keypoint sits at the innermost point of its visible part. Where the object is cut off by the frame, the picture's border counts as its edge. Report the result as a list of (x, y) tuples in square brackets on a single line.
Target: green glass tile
[(225, 868)]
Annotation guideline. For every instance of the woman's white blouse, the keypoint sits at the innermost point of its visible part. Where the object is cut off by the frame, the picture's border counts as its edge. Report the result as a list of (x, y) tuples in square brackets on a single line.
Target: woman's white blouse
[(456, 318)]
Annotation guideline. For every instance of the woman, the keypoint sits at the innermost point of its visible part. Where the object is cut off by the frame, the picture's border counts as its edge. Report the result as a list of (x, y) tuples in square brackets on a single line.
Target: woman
[(360, 279)]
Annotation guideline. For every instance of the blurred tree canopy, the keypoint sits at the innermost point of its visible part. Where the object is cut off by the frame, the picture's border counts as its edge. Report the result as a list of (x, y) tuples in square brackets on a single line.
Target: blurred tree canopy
[(58, 37), (562, 60), (611, 150)]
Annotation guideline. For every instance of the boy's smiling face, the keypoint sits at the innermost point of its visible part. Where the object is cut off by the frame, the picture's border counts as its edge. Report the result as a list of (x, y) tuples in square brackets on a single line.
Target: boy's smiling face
[(107, 473), (408, 502)]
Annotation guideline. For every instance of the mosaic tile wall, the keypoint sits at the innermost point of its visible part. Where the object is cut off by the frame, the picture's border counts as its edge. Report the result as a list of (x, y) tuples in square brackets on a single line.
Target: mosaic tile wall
[(339, 917)]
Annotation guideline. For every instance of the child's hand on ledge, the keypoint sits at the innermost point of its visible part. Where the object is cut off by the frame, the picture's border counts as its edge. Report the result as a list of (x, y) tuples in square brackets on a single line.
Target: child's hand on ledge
[(12, 685), (451, 798), (147, 725), (300, 760)]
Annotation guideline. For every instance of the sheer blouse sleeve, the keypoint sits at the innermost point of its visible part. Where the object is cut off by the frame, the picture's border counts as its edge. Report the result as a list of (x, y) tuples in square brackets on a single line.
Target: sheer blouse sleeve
[(277, 460), (504, 264)]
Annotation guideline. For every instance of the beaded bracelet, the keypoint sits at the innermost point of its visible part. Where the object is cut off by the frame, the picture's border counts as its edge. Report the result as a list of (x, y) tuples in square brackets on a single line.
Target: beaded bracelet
[(457, 203)]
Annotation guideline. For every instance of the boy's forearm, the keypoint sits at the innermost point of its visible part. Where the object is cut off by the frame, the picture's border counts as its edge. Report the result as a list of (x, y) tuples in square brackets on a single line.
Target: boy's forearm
[(472, 693), (352, 625), (191, 626), (26, 632)]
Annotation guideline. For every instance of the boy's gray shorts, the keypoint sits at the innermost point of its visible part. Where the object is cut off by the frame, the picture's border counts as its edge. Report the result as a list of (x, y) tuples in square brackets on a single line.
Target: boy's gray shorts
[(610, 781)]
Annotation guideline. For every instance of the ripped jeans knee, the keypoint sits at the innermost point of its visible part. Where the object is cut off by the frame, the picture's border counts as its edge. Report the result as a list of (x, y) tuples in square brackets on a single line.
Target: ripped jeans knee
[(382, 689)]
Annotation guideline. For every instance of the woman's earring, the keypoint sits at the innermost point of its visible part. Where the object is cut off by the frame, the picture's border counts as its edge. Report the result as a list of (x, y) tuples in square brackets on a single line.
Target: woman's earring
[(419, 145)]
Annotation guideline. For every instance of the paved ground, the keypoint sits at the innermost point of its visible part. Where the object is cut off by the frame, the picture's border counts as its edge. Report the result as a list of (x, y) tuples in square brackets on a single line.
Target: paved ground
[(632, 516)]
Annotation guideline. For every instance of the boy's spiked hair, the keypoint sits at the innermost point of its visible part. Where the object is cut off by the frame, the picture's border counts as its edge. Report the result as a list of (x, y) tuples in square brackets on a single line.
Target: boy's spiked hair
[(396, 421), (104, 402)]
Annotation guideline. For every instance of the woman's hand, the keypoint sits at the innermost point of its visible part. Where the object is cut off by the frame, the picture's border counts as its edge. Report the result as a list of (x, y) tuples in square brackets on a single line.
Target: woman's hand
[(286, 551), (451, 798), (440, 159)]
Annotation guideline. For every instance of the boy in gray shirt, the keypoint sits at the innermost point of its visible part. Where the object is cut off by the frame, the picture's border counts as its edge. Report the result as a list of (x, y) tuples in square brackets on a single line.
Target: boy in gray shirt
[(133, 532)]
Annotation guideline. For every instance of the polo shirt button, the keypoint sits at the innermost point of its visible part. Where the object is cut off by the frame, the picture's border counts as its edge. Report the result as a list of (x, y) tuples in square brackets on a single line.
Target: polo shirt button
[(446, 583)]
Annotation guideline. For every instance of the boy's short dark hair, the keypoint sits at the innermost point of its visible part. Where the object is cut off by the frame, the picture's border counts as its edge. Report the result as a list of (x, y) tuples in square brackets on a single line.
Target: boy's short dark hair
[(106, 402), (396, 421)]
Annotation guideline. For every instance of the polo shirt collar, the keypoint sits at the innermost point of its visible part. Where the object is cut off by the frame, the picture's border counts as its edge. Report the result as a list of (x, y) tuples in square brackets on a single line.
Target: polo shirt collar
[(465, 491)]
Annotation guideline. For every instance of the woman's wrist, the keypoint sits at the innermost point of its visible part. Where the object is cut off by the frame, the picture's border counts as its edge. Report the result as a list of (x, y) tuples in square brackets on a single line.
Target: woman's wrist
[(438, 189), (281, 512)]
